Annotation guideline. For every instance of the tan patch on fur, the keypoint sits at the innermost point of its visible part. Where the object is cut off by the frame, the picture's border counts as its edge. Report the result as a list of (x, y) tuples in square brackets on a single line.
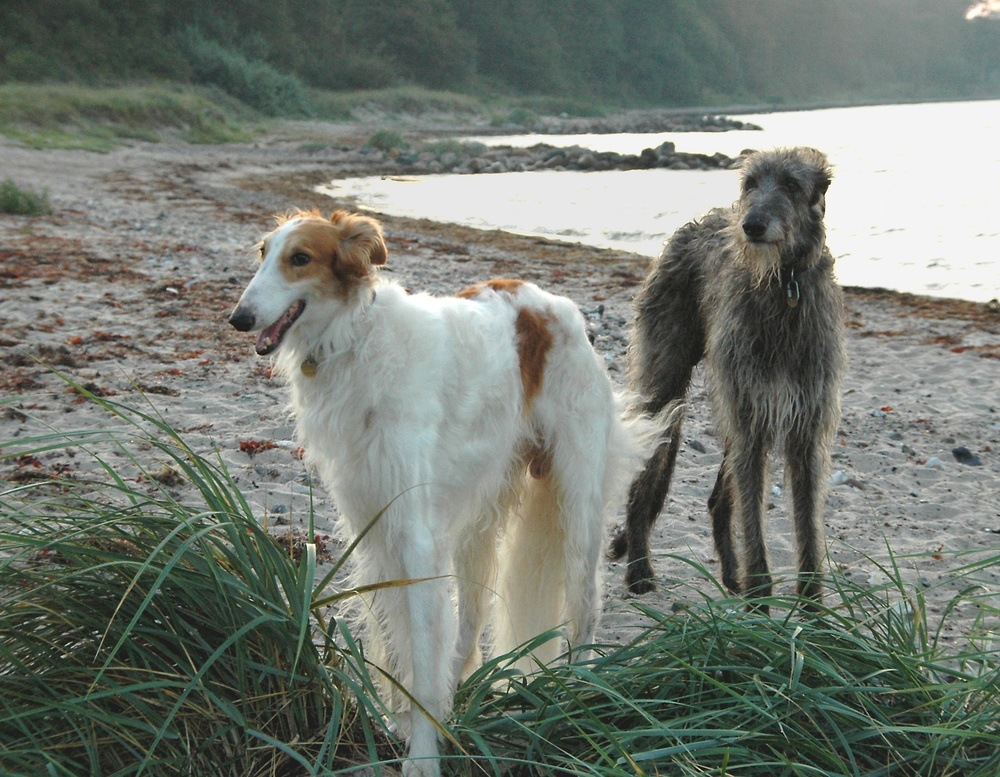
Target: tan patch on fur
[(534, 339), (507, 285), (342, 249), (472, 291)]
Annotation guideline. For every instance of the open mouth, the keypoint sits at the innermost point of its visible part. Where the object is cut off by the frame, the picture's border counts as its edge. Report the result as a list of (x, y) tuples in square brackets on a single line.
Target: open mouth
[(271, 336)]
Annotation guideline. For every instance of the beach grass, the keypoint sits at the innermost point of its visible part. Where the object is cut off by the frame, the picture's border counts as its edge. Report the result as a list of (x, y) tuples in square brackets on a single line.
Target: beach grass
[(864, 687), (143, 634), (146, 632), (99, 118)]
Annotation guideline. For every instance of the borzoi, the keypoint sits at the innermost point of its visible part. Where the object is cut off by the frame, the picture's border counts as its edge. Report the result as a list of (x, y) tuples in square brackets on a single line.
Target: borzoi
[(483, 425)]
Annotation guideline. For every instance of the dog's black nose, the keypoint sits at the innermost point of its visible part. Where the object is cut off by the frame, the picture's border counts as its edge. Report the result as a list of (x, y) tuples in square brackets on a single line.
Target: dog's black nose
[(242, 320), (754, 228)]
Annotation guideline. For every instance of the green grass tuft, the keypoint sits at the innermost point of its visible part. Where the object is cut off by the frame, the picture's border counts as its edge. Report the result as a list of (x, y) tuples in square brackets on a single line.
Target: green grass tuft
[(21, 202), (140, 634), (862, 688)]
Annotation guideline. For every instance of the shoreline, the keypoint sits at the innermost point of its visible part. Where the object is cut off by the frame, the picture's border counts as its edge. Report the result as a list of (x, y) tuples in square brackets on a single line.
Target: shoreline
[(130, 280), (300, 188)]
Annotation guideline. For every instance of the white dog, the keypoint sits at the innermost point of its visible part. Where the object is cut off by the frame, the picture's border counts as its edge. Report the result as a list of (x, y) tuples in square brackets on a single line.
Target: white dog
[(484, 425)]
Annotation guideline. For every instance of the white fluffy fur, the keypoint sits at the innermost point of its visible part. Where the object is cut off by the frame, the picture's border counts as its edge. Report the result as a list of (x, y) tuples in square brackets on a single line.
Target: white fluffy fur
[(417, 408)]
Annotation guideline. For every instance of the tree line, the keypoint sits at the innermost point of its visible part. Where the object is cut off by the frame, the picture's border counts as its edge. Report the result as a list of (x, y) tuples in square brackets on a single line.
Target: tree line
[(626, 52)]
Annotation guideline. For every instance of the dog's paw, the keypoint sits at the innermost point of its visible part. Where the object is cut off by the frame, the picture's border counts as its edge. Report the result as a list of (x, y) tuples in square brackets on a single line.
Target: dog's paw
[(810, 592), (639, 578), (732, 584), (619, 545)]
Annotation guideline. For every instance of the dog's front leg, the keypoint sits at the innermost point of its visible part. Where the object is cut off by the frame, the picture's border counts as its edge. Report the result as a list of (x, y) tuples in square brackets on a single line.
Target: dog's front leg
[(807, 465), (432, 639), (747, 462)]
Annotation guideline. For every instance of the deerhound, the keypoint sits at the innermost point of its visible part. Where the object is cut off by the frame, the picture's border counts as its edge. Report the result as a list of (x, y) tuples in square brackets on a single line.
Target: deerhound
[(752, 289)]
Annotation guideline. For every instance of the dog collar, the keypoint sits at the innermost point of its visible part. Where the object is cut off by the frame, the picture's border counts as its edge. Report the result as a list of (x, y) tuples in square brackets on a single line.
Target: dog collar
[(791, 277), (792, 294)]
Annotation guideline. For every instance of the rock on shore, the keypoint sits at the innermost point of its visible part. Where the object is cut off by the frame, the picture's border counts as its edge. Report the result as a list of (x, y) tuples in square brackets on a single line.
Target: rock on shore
[(480, 158)]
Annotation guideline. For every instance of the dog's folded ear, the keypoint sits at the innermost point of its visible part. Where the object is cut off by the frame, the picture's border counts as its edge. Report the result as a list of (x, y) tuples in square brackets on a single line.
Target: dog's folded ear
[(822, 175), (363, 236)]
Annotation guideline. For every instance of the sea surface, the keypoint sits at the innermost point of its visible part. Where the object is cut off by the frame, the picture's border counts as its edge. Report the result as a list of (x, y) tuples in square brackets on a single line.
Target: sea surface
[(914, 205)]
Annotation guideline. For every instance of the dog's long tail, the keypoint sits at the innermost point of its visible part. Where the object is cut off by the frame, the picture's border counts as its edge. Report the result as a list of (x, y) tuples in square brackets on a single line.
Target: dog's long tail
[(549, 575), (532, 578)]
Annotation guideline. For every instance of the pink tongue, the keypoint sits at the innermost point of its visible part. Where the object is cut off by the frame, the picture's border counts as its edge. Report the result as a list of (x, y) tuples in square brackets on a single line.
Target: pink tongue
[(270, 337)]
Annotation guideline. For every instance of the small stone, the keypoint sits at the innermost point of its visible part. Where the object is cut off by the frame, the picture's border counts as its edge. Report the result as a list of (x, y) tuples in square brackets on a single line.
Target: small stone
[(934, 463), (964, 456), (696, 446), (838, 478)]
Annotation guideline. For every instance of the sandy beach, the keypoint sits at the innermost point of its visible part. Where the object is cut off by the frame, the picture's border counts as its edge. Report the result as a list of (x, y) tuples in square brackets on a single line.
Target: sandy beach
[(126, 288)]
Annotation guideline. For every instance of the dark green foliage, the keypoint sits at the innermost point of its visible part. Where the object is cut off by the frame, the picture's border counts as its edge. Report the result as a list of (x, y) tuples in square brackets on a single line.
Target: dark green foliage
[(14, 199), (682, 52), (91, 40), (256, 83)]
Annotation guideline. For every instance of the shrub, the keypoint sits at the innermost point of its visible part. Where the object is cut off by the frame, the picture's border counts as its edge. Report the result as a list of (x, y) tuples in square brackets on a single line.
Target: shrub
[(256, 83), (387, 140)]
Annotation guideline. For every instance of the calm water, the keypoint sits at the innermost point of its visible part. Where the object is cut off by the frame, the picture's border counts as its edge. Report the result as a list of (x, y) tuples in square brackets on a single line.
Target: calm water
[(914, 206)]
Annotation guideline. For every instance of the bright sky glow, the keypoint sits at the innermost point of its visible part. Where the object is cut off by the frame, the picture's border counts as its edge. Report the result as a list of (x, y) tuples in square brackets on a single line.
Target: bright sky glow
[(983, 8)]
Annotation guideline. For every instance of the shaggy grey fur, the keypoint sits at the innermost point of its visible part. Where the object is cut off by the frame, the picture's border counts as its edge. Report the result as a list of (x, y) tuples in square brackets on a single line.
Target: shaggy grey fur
[(751, 289)]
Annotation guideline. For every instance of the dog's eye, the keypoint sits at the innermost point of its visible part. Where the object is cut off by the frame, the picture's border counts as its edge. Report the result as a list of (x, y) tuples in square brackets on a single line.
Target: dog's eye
[(790, 185), (750, 183), (300, 259)]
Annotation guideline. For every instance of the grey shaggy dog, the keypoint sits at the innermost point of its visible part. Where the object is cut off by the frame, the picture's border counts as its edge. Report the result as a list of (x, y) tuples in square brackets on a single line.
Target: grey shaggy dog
[(751, 289)]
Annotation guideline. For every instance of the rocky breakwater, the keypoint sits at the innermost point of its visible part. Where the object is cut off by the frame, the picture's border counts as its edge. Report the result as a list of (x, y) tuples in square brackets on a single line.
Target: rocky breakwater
[(471, 158)]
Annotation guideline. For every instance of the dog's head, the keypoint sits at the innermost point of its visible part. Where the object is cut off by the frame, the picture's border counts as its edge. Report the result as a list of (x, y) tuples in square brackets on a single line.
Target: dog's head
[(782, 204), (310, 268)]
